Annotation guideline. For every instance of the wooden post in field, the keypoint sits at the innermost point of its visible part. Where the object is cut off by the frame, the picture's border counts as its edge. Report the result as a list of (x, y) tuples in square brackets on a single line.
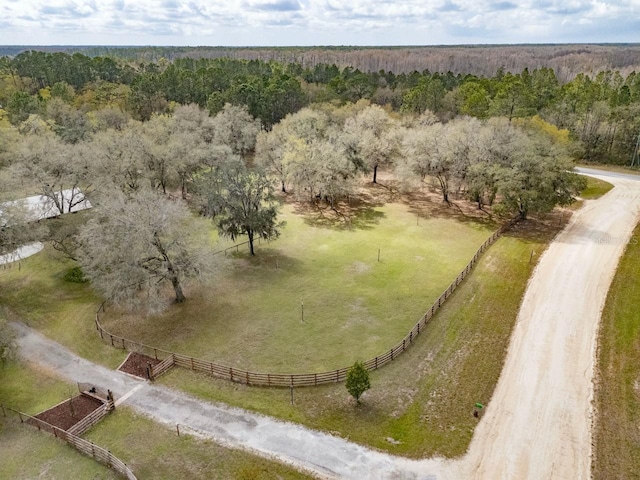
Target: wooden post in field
[(291, 389), (178, 429)]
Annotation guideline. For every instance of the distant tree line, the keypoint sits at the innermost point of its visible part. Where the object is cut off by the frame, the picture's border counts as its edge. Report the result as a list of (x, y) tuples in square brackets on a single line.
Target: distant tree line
[(600, 111)]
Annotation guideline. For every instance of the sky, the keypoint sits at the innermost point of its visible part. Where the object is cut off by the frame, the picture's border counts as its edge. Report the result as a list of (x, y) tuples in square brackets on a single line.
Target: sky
[(317, 22)]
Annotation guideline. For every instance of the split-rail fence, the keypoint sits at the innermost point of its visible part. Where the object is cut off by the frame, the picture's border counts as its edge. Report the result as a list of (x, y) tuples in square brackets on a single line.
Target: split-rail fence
[(170, 359)]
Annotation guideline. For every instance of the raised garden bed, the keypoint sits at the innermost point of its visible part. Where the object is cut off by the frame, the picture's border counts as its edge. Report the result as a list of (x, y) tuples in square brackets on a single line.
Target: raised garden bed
[(65, 415), (136, 364)]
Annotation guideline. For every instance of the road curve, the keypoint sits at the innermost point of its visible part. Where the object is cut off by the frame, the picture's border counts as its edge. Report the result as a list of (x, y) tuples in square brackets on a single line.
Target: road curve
[(538, 423)]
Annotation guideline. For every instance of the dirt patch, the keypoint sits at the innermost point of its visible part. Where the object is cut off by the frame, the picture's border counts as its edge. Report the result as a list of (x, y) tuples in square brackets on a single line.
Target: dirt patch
[(67, 414), (136, 364)]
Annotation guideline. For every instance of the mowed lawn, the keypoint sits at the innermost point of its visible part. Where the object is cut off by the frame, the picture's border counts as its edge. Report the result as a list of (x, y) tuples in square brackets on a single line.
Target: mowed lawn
[(317, 298), (149, 449), (617, 402)]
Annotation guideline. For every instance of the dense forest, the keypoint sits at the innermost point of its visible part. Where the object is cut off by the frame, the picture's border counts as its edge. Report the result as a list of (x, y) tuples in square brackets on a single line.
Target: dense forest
[(599, 110)]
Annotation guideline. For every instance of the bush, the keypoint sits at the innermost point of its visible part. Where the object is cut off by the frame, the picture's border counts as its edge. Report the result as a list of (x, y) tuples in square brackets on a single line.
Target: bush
[(74, 275), (357, 381)]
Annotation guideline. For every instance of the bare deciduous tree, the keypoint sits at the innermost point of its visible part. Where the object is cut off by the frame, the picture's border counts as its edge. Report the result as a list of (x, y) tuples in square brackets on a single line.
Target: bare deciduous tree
[(136, 245), (62, 173), (235, 127), (375, 138)]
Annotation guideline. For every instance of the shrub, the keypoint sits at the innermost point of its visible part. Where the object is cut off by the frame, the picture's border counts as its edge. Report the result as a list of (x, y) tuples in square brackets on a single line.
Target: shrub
[(74, 275), (357, 381)]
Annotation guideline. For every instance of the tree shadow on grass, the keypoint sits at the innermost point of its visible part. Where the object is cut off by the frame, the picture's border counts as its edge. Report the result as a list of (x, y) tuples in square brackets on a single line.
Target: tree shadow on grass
[(266, 259), (540, 228), (427, 205), (354, 213)]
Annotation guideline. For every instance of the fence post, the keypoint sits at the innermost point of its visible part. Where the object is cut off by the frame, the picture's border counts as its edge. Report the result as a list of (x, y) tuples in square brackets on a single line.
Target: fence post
[(231, 373), (192, 368), (392, 354), (155, 352)]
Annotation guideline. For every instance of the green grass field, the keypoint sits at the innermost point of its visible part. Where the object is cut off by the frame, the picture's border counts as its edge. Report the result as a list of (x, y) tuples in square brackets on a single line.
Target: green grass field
[(151, 450), (421, 404), (617, 401), (355, 307)]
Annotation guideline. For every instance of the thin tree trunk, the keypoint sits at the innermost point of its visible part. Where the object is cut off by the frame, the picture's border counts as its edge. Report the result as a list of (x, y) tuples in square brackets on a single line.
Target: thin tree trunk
[(250, 234), (375, 173)]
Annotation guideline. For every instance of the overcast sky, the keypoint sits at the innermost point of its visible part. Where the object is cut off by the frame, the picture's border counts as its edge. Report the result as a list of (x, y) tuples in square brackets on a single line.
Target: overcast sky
[(316, 22)]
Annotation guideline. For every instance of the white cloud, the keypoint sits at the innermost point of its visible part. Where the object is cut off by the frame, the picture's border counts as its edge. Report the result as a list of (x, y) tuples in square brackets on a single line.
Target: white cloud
[(295, 22)]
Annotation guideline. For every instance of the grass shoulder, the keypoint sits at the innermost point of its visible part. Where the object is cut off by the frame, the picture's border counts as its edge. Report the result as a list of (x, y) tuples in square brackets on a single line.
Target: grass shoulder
[(595, 188), (617, 393)]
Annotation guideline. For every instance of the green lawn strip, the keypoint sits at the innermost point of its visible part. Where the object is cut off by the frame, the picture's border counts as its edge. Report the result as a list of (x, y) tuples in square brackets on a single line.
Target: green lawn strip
[(617, 397), (37, 294), (595, 188), (154, 451), (251, 315), (421, 404), (27, 453)]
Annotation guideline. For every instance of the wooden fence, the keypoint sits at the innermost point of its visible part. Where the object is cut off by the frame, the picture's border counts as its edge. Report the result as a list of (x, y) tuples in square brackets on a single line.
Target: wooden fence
[(80, 444), (256, 241), (294, 379), (89, 421)]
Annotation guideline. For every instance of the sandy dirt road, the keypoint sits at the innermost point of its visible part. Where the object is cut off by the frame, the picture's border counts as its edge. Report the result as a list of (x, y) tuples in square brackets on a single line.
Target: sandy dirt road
[(538, 423)]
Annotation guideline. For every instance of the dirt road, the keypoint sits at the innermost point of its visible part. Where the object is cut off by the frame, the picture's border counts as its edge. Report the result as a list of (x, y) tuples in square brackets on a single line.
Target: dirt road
[(538, 423)]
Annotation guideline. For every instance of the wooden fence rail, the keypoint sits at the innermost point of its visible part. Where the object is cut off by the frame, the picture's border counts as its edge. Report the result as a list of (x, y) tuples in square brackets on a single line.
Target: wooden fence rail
[(80, 444), (89, 421), (294, 379)]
